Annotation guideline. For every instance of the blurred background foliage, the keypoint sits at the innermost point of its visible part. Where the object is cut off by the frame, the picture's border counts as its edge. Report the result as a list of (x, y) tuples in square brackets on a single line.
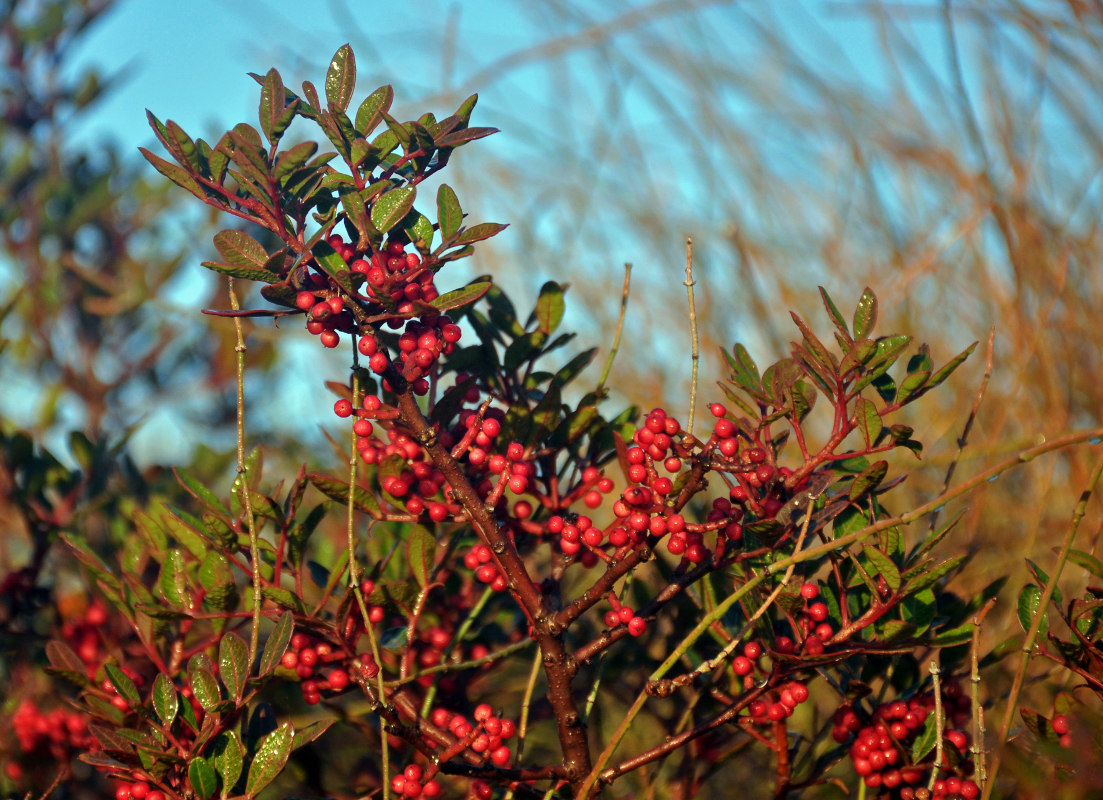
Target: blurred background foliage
[(947, 154)]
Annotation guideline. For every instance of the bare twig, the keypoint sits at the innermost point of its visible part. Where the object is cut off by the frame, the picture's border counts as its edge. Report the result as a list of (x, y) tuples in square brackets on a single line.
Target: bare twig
[(620, 328), (694, 355), (243, 477)]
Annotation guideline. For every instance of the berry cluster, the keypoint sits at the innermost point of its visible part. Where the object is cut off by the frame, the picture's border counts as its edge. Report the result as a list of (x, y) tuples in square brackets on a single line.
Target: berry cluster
[(621, 614), (308, 655), (759, 484), (485, 736), (84, 634), (879, 748), (57, 734), (409, 783), (813, 621), (138, 790)]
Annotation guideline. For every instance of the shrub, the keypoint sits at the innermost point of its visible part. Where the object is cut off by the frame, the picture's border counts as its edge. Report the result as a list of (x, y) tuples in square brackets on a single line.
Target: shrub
[(499, 586)]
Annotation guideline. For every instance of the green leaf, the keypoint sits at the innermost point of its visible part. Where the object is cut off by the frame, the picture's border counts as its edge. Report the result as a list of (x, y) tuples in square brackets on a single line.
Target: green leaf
[(462, 137), (199, 491), (217, 578), (572, 368), (202, 777), (371, 111), (884, 566), (835, 314), (240, 249), (270, 759), (911, 385), (868, 480), (273, 98), (420, 231), (311, 732), (820, 354), (389, 209), (1087, 561), (332, 264), (945, 372), (123, 684), (283, 597), (420, 553), (338, 490), (934, 574), (550, 307), (173, 581), (865, 315), (184, 533), (744, 370), (176, 174), (1042, 577), (204, 686), (150, 532), (277, 643), (477, 233), (1030, 598), (233, 663), (449, 213), (953, 636), (869, 421), (165, 700), (228, 758), (66, 664), (263, 276), (925, 742), (459, 298), (341, 79)]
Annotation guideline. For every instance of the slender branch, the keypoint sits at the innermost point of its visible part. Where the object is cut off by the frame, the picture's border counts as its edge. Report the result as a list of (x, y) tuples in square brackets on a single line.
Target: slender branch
[(694, 355), (243, 478), (620, 328)]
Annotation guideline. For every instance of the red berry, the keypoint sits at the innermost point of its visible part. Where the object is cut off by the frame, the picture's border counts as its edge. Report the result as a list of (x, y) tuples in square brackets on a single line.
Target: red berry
[(329, 339), (343, 408), (637, 626), (809, 591), (1060, 724), (717, 410), (305, 301)]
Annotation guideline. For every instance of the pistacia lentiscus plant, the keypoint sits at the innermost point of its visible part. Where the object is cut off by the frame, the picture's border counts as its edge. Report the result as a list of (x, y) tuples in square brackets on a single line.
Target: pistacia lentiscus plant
[(496, 588)]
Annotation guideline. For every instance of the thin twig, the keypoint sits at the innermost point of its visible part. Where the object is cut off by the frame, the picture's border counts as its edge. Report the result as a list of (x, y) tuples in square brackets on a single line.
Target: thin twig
[(695, 356), (620, 327), (243, 477), (988, 358), (939, 724), (979, 733), (1040, 616)]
